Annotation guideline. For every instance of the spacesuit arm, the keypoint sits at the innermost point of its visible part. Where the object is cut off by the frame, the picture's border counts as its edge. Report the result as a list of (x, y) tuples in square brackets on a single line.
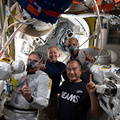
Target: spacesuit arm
[(7, 69), (43, 92)]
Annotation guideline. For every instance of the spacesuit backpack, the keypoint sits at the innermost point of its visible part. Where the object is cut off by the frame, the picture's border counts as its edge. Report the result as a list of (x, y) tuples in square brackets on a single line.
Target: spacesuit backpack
[(45, 10)]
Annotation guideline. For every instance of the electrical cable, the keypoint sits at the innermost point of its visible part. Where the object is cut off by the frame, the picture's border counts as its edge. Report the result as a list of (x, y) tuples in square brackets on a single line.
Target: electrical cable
[(5, 29), (11, 25), (98, 31), (23, 22), (9, 41), (5, 23)]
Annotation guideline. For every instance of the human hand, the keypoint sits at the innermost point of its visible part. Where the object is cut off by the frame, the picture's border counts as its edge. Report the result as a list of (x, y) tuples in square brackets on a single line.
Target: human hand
[(89, 57), (26, 90), (91, 87), (43, 66)]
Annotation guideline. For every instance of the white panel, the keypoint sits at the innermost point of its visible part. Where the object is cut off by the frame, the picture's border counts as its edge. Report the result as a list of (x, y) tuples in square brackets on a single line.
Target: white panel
[(111, 41)]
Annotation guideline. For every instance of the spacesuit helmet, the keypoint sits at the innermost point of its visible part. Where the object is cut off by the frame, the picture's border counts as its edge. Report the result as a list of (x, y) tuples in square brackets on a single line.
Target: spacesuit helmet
[(103, 59), (106, 57)]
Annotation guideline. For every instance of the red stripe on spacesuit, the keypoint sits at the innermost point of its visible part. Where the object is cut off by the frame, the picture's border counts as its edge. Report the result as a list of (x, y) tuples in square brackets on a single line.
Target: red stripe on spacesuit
[(30, 1), (33, 10), (76, 1), (51, 13)]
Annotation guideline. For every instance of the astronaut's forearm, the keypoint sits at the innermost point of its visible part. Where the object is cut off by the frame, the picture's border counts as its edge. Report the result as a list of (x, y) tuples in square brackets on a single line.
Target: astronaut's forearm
[(39, 103)]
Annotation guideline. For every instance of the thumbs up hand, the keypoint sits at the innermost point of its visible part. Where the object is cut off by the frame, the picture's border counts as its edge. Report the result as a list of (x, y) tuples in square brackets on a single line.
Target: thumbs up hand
[(89, 57)]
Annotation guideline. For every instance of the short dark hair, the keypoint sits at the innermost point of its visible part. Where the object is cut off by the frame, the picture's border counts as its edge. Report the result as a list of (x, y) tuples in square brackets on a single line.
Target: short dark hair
[(39, 54), (73, 38), (74, 60)]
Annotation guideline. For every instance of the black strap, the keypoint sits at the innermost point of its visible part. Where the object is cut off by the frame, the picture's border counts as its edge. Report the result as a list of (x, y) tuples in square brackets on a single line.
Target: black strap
[(2, 118), (31, 100), (15, 108)]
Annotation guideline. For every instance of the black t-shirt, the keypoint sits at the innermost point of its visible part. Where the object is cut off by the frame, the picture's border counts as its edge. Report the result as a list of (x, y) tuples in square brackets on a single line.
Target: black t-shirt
[(54, 71), (74, 101)]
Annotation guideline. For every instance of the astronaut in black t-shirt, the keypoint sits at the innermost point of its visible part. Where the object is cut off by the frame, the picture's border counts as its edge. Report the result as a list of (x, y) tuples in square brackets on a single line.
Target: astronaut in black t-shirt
[(77, 96)]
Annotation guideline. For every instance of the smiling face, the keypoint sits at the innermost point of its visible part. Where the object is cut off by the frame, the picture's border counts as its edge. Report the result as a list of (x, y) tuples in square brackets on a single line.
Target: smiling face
[(74, 71), (53, 54)]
